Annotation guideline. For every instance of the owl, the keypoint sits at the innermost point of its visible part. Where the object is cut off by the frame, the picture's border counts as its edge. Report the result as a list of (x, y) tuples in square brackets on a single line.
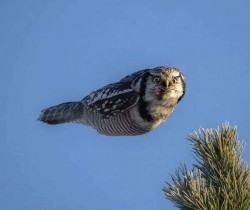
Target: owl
[(135, 105)]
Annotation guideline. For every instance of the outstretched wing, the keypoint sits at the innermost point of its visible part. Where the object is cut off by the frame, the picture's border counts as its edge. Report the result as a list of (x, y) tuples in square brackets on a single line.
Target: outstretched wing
[(112, 99)]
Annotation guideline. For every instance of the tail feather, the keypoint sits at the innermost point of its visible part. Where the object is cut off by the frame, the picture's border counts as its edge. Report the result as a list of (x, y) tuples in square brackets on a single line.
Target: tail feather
[(62, 113)]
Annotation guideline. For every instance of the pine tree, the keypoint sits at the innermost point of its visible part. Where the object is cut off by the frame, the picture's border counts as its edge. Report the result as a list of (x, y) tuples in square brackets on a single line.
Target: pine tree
[(219, 181)]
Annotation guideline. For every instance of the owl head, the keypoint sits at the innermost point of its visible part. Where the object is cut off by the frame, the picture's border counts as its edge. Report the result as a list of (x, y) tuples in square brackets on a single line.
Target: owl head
[(161, 83)]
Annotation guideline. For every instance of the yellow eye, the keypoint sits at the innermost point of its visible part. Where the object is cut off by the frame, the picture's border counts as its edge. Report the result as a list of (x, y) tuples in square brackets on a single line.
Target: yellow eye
[(156, 79)]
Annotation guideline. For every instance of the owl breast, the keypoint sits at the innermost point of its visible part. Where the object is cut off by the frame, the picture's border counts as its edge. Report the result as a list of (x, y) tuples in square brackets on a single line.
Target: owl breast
[(128, 123)]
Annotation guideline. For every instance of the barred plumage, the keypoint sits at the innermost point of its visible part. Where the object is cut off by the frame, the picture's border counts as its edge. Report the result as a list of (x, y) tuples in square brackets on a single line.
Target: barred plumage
[(133, 106)]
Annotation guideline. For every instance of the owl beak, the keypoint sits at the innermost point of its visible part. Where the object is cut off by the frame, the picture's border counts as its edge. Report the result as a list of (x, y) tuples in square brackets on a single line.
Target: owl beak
[(167, 83)]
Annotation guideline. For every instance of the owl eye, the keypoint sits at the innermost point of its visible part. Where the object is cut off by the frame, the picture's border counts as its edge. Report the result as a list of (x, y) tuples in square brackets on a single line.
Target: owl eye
[(175, 79), (156, 79)]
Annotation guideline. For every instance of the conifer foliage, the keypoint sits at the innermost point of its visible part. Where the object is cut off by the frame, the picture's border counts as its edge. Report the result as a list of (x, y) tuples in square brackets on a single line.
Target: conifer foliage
[(220, 180)]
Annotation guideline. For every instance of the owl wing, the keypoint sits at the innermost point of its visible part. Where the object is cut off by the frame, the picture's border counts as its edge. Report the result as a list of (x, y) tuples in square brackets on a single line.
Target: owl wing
[(134, 76), (112, 99)]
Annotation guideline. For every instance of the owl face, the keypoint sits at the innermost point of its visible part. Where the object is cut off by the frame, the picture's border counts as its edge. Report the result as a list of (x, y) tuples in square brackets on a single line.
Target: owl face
[(163, 83)]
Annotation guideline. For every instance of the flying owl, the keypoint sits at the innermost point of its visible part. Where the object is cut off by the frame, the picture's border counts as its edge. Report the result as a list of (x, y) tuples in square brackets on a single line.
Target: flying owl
[(135, 105)]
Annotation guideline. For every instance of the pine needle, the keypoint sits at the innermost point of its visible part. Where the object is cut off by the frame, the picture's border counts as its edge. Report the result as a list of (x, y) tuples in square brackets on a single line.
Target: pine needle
[(220, 180)]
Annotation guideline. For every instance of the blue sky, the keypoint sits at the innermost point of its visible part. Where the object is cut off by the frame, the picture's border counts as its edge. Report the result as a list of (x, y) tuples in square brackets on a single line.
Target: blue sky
[(57, 51)]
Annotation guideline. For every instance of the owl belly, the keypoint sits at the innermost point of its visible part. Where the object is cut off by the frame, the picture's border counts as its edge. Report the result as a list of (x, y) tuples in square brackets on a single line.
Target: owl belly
[(124, 124)]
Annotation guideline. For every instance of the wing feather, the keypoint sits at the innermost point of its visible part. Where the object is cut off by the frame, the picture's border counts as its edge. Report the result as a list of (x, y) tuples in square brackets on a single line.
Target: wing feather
[(112, 99), (134, 76)]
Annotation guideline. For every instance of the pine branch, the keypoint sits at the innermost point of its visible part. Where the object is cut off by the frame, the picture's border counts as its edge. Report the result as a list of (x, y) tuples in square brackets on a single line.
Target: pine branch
[(220, 180)]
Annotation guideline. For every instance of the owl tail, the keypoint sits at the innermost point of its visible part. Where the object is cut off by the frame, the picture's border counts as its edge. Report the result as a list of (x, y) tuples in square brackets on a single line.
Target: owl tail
[(62, 113)]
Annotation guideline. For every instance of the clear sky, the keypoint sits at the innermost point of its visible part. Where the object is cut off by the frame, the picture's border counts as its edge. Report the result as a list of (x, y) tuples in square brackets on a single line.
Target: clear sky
[(57, 51)]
